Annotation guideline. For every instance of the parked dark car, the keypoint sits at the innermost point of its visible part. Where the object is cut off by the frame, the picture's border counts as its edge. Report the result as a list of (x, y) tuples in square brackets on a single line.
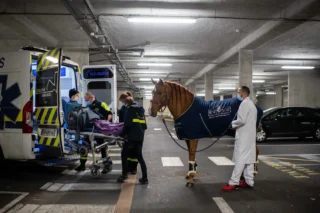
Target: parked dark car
[(298, 122)]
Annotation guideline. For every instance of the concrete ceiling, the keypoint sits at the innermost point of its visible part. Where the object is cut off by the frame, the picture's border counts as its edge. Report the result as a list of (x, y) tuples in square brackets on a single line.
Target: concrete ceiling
[(222, 27)]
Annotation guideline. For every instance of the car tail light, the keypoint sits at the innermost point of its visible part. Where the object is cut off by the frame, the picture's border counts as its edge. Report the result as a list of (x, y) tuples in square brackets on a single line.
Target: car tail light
[(27, 120)]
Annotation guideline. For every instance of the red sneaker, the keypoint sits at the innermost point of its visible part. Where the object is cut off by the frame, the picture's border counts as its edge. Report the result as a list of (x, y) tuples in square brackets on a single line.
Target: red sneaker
[(228, 187), (245, 185)]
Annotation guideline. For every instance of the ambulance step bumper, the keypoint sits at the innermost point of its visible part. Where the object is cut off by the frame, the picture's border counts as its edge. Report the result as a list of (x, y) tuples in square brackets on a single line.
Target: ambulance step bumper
[(59, 161)]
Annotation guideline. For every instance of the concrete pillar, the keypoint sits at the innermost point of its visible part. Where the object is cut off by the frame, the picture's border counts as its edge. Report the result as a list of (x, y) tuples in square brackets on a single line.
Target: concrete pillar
[(192, 88), (304, 87), (78, 51), (208, 86), (221, 98), (278, 96), (245, 71)]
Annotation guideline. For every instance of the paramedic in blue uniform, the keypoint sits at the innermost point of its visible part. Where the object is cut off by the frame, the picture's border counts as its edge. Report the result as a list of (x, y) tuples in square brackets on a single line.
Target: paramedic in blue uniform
[(133, 130), (132, 157), (73, 102), (244, 155), (70, 106), (104, 110)]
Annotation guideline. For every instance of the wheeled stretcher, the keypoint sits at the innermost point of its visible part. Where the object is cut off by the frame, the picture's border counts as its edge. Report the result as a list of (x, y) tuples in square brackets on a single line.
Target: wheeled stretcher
[(87, 144)]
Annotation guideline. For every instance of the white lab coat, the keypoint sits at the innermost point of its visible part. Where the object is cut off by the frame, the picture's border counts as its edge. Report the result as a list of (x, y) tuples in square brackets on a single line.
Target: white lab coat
[(245, 140)]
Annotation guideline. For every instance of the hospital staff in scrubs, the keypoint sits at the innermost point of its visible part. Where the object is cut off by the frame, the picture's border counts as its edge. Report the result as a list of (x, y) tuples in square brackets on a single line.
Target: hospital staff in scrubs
[(244, 155)]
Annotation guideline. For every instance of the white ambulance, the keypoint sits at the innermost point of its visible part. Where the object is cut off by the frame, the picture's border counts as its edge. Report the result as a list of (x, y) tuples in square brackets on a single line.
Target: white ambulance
[(33, 85)]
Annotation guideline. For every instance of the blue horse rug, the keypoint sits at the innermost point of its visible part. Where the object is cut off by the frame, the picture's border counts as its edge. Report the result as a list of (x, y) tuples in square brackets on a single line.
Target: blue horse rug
[(207, 119)]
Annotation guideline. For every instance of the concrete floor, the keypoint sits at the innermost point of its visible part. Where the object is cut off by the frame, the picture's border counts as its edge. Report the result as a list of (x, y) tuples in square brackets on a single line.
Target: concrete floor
[(288, 181)]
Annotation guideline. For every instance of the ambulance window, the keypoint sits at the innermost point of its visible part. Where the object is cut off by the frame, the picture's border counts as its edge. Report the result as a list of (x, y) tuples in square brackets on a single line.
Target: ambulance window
[(67, 80), (101, 90)]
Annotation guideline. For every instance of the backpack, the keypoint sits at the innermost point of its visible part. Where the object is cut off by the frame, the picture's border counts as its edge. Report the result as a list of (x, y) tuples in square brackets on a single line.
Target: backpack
[(73, 118)]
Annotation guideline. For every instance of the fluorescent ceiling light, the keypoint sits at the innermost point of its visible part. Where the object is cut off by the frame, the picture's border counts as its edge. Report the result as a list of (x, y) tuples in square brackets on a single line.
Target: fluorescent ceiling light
[(270, 93), (298, 67), (148, 79), (147, 87), (52, 59), (149, 72), (162, 20), (258, 81), (155, 64), (200, 94), (226, 88), (215, 91)]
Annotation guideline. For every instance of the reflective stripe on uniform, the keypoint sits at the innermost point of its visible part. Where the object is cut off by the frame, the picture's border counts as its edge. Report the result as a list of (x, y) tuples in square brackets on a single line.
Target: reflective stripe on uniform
[(83, 157), (132, 159), (136, 120), (105, 106)]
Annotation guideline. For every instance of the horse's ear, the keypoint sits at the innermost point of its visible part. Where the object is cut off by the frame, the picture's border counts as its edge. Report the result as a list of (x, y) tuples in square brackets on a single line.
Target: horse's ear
[(153, 81), (161, 81)]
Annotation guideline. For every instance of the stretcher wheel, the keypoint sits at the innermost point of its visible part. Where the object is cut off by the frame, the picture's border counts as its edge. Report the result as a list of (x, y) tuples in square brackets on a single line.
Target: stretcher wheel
[(83, 151), (95, 172)]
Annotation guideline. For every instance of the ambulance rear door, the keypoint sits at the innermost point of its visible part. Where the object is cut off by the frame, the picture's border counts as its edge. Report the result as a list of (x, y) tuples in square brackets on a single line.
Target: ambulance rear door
[(48, 104)]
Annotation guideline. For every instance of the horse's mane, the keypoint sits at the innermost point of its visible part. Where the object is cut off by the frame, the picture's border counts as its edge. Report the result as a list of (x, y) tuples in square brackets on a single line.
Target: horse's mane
[(180, 98)]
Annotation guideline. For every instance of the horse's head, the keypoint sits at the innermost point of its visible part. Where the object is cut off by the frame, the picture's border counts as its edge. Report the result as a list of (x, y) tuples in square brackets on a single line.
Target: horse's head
[(160, 97)]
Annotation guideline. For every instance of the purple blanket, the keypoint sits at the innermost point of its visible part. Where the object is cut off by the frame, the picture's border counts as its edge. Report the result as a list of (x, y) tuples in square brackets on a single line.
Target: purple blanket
[(108, 128)]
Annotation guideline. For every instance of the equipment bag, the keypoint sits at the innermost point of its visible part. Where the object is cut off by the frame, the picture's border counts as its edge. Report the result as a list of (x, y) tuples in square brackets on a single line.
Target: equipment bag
[(73, 118)]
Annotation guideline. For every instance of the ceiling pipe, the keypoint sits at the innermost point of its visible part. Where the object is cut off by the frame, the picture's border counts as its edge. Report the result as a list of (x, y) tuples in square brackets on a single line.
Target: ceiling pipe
[(101, 43)]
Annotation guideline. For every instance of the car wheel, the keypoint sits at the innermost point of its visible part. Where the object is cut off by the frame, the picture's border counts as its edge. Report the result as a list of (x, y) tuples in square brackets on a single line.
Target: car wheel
[(261, 136), (317, 134)]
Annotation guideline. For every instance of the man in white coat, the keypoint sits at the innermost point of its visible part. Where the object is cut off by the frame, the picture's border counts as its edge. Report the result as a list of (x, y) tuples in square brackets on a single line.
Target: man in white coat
[(244, 155)]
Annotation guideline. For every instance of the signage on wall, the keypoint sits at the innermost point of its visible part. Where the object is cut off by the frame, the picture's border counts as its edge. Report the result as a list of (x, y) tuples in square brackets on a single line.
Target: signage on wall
[(97, 73)]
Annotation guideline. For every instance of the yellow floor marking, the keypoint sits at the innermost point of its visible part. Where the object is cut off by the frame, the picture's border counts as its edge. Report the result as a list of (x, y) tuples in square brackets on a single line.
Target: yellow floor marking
[(294, 159), (126, 196), (291, 169)]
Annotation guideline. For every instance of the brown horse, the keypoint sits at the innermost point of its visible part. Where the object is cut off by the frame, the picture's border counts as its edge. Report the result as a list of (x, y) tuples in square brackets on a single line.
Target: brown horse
[(178, 99)]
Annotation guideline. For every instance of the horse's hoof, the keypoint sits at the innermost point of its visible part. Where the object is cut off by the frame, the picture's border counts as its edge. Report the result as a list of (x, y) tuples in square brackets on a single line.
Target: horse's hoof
[(189, 184)]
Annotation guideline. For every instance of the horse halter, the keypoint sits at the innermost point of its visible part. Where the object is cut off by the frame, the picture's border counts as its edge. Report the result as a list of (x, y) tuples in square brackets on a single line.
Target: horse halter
[(162, 105)]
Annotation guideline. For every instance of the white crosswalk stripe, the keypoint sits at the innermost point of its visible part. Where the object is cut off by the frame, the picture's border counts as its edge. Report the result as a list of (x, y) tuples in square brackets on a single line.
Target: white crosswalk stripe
[(171, 161), (221, 161)]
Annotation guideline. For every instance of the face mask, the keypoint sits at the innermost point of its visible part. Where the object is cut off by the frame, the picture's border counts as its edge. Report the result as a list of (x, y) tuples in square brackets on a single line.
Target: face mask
[(239, 97), (88, 103), (76, 99)]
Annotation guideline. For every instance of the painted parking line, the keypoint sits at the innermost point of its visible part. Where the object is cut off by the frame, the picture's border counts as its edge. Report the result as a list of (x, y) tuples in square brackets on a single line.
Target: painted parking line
[(60, 187), (43, 209), (223, 205), (174, 136), (310, 157), (287, 155), (171, 161), (58, 208), (55, 187), (114, 155), (29, 208), (221, 161), (15, 201), (116, 162)]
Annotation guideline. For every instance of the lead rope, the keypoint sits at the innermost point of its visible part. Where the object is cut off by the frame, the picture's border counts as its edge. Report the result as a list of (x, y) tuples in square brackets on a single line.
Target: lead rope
[(215, 141)]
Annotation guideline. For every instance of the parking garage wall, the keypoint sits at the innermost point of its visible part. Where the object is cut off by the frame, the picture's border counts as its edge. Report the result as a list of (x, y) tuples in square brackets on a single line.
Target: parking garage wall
[(266, 101)]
